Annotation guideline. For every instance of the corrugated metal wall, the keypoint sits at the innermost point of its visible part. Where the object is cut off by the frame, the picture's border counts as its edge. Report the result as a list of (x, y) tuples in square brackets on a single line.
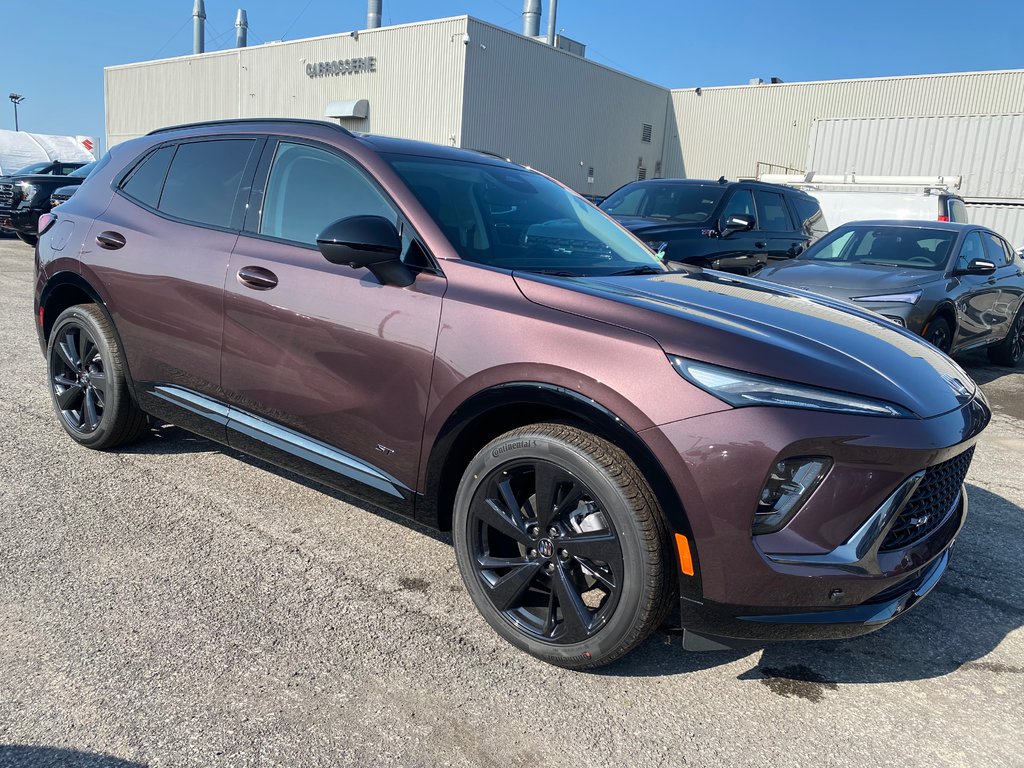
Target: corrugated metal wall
[(416, 91), (987, 150), (559, 113), (728, 130), (1007, 220)]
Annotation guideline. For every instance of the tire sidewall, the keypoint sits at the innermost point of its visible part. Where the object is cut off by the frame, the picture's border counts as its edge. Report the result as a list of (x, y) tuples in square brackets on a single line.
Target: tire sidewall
[(112, 399), (531, 445), (949, 334)]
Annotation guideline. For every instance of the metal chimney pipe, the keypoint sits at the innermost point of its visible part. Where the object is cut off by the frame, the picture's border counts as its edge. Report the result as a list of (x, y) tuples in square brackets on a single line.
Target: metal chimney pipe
[(531, 18), (373, 11), (552, 15), (199, 27), (241, 29)]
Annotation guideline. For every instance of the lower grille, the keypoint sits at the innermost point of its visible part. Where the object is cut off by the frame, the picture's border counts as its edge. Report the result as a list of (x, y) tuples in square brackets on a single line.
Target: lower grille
[(6, 195), (931, 503)]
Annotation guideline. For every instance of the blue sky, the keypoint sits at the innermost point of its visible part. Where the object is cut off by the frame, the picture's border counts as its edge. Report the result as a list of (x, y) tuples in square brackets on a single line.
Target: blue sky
[(677, 43)]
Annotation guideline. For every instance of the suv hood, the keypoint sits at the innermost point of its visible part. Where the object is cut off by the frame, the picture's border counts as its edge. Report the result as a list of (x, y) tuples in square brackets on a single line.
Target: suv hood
[(644, 228), (765, 329), (848, 279)]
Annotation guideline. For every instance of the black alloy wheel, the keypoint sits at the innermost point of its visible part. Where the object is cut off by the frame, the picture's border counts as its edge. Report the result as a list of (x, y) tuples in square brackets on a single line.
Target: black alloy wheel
[(548, 557), (78, 378), (1010, 350), (87, 381), (939, 334), (562, 545)]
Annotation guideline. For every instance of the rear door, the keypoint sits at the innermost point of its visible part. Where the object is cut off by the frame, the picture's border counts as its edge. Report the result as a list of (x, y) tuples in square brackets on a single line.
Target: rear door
[(160, 251), (321, 362), (780, 235), (1007, 283), (976, 296)]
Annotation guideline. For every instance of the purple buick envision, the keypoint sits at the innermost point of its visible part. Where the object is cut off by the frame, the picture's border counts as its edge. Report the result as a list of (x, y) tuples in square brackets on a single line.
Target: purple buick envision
[(469, 343)]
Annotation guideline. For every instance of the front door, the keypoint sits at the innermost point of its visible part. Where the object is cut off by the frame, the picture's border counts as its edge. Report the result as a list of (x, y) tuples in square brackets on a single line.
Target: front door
[(977, 297), (321, 362)]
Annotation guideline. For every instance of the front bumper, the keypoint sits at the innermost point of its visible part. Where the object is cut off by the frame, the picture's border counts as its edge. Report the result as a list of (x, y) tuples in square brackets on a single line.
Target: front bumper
[(22, 220), (823, 575)]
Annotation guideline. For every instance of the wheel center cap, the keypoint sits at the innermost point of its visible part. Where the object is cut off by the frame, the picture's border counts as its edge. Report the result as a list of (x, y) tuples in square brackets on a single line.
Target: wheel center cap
[(545, 548)]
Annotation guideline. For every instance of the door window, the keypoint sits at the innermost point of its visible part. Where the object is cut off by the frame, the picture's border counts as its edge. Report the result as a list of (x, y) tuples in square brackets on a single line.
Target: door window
[(310, 188), (997, 254), (740, 202), (771, 212), (972, 249), (957, 211), (146, 181), (203, 180)]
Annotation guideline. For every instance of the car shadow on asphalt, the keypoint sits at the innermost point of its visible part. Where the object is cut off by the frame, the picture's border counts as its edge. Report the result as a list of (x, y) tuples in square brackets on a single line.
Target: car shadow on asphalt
[(26, 756), (979, 601)]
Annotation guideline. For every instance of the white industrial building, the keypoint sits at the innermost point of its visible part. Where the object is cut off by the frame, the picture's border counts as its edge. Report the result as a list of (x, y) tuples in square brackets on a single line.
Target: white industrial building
[(464, 82)]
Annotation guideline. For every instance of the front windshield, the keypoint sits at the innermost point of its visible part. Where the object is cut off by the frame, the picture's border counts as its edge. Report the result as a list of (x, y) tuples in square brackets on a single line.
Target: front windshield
[(884, 246), (83, 171), (514, 218), (693, 203), (28, 170)]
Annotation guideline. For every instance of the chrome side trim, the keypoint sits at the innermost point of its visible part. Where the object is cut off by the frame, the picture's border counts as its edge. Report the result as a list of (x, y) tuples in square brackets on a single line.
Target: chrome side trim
[(859, 553), (284, 439)]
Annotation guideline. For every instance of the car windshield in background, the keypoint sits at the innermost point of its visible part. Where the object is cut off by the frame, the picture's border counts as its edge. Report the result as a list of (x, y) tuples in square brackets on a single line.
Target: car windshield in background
[(669, 202), (28, 170), (84, 171), (517, 219), (910, 247)]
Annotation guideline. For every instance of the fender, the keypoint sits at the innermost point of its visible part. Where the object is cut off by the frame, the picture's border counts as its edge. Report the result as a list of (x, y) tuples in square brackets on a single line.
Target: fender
[(516, 403)]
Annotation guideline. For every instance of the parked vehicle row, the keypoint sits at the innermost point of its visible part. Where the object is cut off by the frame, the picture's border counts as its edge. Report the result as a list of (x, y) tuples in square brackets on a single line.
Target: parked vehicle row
[(467, 342), (26, 195)]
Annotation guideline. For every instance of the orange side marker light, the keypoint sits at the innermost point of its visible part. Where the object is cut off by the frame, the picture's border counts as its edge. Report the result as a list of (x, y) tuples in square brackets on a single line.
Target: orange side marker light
[(685, 558)]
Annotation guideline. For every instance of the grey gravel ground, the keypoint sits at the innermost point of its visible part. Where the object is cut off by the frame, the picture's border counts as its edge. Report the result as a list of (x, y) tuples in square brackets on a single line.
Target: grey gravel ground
[(176, 604)]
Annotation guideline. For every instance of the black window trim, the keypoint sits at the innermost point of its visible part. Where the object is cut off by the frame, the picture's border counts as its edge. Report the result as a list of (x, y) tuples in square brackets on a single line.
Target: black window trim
[(258, 191), (785, 207), (244, 186)]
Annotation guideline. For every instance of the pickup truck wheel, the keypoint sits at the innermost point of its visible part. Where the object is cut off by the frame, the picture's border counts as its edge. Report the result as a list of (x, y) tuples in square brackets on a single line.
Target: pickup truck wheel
[(87, 382), (562, 545), (28, 239)]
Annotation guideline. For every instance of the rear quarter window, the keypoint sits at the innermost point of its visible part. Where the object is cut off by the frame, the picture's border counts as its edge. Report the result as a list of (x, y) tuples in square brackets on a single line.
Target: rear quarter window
[(812, 221), (145, 182)]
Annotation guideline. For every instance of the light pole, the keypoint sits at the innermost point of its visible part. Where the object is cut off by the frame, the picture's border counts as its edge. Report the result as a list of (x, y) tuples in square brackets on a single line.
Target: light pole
[(16, 99)]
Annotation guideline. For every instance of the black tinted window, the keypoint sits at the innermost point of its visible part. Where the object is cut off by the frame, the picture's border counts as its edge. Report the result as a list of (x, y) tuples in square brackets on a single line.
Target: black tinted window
[(668, 202), (771, 211), (957, 210), (146, 181), (203, 180), (812, 222), (997, 254), (971, 249), (310, 188), (740, 202)]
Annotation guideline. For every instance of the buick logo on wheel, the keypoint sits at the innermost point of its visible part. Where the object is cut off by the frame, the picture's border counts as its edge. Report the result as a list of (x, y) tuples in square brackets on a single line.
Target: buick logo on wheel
[(545, 548)]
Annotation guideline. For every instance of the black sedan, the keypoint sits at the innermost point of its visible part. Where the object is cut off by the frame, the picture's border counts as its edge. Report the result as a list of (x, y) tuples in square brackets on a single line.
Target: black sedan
[(960, 286)]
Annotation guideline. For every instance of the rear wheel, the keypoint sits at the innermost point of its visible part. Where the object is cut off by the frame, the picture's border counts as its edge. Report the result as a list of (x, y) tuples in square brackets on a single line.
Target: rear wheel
[(29, 239), (1010, 350), (87, 382), (562, 545), (939, 334)]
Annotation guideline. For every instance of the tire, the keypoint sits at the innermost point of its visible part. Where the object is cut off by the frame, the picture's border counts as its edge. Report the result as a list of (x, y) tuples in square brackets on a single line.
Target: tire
[(1010, 350), (87, 383), (939, 334), (27, 239), (521, 567)]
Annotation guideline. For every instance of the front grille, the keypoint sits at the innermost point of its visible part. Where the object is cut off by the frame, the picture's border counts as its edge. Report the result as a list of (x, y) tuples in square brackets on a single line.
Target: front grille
[(6, 195), (931, 503)]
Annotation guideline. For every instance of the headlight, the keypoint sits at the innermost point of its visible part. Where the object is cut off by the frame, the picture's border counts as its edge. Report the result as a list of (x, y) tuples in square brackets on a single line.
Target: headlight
[(741, 389), (27, 190), (907, 297)]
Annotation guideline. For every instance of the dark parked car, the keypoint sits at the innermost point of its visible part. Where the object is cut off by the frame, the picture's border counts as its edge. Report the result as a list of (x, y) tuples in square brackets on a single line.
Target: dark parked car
[(736, 226), (605, 438), (960, 286), (25, 196)]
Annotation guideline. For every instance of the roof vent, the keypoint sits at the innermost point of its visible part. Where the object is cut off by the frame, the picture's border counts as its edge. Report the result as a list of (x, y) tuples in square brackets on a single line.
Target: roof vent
[(354, 109)]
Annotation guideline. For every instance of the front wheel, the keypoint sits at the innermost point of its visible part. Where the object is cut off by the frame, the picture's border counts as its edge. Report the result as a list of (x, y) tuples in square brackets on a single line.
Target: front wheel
[(939, 334), (562, 545)]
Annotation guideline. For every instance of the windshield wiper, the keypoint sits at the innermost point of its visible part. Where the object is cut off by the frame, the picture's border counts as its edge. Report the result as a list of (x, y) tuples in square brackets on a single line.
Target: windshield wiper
[(645, 269), (555, 272), (881, 263)]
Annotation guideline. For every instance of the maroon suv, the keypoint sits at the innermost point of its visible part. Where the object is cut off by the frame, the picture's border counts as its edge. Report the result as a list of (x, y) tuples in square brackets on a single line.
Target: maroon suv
[(469, 343)]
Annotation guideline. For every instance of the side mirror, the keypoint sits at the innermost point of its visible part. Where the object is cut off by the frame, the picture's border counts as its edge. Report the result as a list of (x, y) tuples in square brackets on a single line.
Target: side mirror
[(370, 242), (977, 267), (738, 222)]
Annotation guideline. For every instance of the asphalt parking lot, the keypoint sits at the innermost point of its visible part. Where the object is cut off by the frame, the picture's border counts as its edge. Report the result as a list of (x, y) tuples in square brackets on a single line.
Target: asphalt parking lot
[(177, 604)]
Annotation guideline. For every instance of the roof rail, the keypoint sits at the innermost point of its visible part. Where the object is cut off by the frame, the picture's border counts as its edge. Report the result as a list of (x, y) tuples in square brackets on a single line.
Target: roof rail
[(489, 153), (814, 179), (251, 120)]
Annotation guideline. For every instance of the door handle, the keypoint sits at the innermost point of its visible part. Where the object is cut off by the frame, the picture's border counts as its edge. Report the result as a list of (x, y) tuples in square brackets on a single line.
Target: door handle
[(110, 240), (257, 278), (760, 244)]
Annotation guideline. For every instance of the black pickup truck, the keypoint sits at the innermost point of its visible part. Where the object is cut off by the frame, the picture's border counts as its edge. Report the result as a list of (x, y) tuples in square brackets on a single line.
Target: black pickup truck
[(25, 195)]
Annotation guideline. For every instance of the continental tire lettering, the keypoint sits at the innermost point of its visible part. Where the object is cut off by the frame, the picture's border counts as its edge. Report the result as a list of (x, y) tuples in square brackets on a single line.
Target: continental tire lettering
[(506, 447)]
